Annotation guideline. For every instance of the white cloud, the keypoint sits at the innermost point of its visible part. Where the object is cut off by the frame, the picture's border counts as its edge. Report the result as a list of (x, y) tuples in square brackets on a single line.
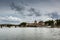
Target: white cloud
[(10, 19)]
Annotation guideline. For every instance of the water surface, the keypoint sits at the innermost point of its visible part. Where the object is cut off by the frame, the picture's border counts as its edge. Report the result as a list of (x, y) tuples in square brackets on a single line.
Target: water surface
[(29, 33)]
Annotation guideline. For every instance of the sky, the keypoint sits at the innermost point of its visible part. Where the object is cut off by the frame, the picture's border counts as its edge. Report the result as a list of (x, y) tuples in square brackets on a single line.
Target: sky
[(17, 11)]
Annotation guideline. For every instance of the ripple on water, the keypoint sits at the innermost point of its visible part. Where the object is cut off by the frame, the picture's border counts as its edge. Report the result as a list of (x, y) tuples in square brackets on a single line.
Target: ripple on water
[(29, 33)]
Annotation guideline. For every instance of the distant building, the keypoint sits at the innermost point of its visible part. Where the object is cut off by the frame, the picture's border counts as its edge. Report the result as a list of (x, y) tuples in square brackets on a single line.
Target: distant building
[(41, 23), (35, 24)]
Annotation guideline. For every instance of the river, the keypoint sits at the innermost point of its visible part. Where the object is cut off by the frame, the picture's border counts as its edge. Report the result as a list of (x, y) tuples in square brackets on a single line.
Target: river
[(29, 33)]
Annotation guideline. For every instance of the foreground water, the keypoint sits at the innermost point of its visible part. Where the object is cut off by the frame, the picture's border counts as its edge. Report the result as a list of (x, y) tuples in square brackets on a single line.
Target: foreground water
[(29, 33)]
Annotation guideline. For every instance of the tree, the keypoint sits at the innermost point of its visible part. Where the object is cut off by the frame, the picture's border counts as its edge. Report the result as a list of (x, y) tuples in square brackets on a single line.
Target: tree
[(57, 22), (9, 25), (23, 24), (50, 23)]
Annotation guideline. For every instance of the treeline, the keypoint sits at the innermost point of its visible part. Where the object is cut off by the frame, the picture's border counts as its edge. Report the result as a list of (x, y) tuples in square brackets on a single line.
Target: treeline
[(8, 25), (52, 23)]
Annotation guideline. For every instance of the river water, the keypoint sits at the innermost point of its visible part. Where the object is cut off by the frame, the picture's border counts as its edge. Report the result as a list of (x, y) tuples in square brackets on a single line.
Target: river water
[(29, 33)]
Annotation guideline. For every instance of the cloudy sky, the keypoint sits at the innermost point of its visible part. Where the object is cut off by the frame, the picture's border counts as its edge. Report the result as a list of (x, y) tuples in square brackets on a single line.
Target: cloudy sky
[(17, 11)]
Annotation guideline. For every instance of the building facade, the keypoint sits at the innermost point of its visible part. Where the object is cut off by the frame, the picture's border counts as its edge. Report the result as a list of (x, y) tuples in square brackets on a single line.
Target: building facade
[(35, 24)]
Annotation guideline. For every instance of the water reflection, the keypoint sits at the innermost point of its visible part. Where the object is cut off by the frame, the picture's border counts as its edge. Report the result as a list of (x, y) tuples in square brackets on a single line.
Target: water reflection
[(29, 33)]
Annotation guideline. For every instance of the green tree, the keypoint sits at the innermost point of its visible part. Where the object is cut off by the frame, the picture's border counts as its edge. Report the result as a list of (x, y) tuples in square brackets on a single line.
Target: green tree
[(23, 24), (9, 25), (57, 22), (50, 23)]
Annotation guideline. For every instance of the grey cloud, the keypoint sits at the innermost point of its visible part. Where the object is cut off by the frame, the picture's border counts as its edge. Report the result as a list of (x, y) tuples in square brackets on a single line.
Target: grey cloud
[(54, 15), (18, 8), (23, 2), (9, 21), (27, 1), (34, 12), (37, 1), (45, 0)]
